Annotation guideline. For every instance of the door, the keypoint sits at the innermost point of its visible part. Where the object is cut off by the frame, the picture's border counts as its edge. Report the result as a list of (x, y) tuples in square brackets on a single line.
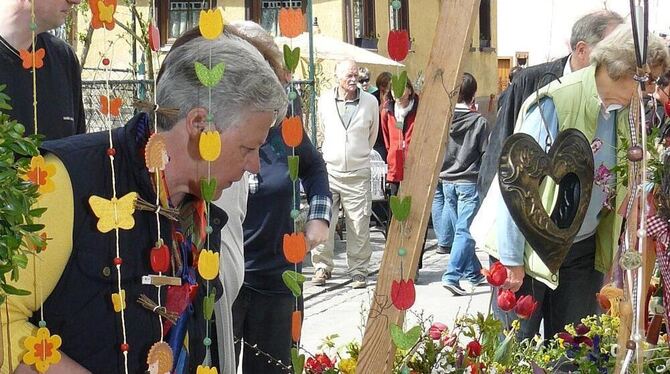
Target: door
[(504, 66)]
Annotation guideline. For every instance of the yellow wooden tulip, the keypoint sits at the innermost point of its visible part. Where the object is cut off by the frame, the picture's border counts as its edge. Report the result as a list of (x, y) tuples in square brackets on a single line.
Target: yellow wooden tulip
[(211, 23), (208, 264), (206, 370), (210, 145)]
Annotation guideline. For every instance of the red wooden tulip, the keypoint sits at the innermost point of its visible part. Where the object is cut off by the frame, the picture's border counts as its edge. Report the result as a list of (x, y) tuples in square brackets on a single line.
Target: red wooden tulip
[(474, 349), (398, 44), (525, 306), (403, 294), (497, 275), (160, 258), (506, 300)]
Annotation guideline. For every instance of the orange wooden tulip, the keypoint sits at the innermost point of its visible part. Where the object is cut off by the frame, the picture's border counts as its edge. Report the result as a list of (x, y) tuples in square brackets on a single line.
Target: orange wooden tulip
[(291, 131), (291, 22), (294, 247), (296, 325)]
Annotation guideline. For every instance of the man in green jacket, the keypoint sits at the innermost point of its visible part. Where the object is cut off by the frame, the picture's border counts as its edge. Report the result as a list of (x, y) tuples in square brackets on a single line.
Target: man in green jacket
[(593, 100)]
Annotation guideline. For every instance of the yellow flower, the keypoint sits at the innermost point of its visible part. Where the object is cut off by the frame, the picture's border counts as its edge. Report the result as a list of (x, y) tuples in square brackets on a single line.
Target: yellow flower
[(40, 173), (210, 145), (347, 366), (211, 23), (42, 349), (206, 370), (208, 264), (546, 358)]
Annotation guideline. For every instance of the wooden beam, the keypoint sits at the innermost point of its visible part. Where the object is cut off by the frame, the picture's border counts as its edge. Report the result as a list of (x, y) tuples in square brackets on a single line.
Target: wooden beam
[(451, 43)]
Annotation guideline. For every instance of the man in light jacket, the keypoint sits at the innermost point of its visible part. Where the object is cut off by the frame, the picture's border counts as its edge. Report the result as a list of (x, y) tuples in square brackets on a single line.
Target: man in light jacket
[(350, 120)]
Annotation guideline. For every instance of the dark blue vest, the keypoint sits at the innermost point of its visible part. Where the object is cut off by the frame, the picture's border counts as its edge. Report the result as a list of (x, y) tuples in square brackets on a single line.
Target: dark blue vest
[(80, 308)]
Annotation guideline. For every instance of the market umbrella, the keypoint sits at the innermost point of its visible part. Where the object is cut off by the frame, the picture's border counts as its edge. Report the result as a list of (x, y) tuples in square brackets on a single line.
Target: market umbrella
[(329, 48)]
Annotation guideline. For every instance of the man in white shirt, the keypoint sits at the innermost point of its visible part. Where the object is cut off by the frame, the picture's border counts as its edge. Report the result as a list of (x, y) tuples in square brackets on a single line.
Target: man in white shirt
[(350, 119)]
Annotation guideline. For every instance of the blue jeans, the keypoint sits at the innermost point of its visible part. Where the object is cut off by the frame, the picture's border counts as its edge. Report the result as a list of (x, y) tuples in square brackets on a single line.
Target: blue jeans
[(462, 203), (442, 223)]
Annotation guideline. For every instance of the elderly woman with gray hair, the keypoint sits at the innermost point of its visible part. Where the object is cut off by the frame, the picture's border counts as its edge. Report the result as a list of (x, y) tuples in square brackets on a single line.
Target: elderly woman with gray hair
[(78, 271), (594, 100)]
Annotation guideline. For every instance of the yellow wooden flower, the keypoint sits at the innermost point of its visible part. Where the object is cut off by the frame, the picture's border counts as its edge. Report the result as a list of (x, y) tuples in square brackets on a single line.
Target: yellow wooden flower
[(42, 349), (206, 370), (210, 145), (208, 264), (41, 174), (211, 23)]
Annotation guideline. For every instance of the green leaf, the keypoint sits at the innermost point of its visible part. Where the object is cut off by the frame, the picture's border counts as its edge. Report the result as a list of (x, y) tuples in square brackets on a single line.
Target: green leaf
[(400, 209), (11, 290), (503, 353), (209, 77), (2, 299), (207, 188), (298, 361), (293, 164), (32, 228), (291, 58), (399, 82), (293, 281), (405, 340), (208, 305)]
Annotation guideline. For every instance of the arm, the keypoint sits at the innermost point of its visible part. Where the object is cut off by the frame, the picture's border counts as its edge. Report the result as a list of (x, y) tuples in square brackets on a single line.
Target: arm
[(374, 126), (314, 177), (385, 130), (511, 242), (58, 221)]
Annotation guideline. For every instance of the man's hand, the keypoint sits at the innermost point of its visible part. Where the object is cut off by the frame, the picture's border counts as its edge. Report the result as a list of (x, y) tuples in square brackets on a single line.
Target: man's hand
[(515, 276), (316, 232)]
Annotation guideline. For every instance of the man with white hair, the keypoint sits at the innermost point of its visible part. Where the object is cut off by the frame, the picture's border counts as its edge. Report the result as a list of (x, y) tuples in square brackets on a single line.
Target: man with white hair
[(350, 119)]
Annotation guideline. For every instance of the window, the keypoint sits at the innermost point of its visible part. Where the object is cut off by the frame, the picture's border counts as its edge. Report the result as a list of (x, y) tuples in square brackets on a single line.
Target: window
[(265, 12), (399, 19), (177, 17), (363, 23), (485, 24)]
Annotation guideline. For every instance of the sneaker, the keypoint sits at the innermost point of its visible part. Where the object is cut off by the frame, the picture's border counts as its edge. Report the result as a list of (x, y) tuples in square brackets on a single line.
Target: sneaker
[(359, 281), (443, 250), (320, 277), (455, 289), (479, 281)]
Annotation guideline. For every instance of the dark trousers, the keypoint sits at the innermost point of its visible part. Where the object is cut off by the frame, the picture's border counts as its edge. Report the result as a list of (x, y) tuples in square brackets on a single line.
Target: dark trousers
[(572, 300), (264, 320)]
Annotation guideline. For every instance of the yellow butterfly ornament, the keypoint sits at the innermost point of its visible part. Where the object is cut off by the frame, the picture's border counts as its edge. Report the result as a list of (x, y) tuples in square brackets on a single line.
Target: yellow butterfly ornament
[(114, 213)]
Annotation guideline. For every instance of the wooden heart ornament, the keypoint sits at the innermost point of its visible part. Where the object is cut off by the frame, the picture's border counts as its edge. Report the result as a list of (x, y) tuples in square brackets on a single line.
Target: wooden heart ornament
[(522, 167)]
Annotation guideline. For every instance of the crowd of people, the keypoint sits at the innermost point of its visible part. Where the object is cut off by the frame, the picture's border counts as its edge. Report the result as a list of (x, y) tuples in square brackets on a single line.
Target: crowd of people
[(590, 90)]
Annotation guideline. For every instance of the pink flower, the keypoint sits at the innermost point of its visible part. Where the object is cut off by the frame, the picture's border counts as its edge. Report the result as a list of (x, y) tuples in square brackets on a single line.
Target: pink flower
[(436, 330), (602, 176)]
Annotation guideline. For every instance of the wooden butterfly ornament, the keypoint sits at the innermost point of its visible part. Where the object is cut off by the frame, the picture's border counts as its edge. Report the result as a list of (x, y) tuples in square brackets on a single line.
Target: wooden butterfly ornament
[(110, 106), (114, 213), (28, 57)]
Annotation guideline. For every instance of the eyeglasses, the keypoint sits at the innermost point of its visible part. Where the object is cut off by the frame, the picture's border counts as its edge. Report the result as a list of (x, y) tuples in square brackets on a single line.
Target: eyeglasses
[(364, 80)]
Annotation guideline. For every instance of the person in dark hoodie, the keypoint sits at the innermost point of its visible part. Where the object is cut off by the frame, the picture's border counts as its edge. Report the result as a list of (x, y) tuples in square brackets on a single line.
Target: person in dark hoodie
[(468, 138)]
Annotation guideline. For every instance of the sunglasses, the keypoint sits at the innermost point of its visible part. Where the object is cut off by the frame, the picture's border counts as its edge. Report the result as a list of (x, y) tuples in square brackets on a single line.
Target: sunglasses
[(364, 80)]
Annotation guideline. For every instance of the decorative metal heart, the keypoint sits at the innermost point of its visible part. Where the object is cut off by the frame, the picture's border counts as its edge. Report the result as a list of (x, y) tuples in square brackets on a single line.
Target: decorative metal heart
[(522, 167)]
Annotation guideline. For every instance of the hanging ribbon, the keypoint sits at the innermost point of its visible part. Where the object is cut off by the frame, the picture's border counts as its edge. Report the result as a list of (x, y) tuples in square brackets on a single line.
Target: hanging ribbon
[(659, 230)]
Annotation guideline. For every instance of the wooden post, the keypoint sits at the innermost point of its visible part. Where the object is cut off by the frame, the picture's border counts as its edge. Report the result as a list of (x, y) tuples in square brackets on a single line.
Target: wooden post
[(451, 42)]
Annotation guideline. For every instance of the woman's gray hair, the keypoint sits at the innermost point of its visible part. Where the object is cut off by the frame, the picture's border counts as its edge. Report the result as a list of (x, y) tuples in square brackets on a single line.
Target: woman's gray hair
[(248, 84), (617, 53)]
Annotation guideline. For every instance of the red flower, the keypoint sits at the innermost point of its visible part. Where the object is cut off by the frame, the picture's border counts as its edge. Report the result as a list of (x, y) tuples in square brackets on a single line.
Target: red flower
[(506, 300), (525, 306), (436, 330), (318, 364), (473, 348), (497, 275), (398, 44), (403, 294)]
